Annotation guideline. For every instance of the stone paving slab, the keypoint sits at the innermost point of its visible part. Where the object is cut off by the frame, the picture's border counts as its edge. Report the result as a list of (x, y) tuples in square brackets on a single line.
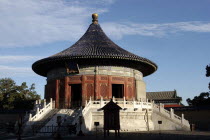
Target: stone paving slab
[(154, 135)]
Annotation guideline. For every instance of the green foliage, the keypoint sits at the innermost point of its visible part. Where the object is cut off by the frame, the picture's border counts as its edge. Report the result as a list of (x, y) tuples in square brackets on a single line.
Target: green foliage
[(13, 96), (202, 99)]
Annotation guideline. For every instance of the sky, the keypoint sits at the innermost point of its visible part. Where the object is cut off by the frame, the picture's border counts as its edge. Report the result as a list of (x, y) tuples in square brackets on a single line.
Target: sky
[(175, 34)]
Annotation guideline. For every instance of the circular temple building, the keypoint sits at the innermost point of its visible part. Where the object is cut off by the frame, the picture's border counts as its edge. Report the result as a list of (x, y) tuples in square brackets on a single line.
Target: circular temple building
[(93, 67), (82, 79)]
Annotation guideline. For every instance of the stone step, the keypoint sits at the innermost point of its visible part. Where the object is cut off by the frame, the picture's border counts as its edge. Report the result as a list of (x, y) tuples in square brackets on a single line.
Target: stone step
[(39, 124)]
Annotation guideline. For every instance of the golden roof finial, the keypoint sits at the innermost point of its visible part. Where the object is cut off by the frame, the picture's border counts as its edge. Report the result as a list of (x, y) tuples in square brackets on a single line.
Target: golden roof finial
[(95, 18)]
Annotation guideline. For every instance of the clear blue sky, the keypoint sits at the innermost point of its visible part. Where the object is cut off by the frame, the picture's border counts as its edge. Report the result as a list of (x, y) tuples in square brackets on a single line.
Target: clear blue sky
[(175, 34)]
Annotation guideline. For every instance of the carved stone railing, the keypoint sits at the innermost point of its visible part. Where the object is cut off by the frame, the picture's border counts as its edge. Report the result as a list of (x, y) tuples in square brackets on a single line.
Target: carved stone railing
[(140, 105), (87, 107), (170, 114), (41, 112)]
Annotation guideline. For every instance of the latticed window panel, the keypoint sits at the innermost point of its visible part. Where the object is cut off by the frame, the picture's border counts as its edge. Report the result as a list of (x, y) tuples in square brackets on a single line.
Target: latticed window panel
[(103, 90), (89, 90)]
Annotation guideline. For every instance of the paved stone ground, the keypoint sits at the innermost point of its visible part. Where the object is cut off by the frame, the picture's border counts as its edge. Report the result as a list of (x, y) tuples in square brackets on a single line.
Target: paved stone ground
[(155, 135)]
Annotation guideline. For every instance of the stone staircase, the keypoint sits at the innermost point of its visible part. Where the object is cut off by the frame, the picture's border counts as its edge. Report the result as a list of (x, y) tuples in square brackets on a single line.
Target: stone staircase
[(37, 125), (43, 119), (68, 117), (72, 118), (161, 114), (39, 116)]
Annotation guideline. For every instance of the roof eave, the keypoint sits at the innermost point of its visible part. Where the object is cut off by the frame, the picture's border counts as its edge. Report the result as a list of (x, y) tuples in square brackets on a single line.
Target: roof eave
[(42, 66)]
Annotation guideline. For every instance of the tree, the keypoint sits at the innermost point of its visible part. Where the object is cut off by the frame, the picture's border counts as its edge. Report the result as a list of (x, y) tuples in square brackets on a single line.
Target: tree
[(13, 96), (202, 99)]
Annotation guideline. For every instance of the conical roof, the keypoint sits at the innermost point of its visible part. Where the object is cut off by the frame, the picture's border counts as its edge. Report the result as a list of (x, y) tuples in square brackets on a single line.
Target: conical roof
[(95, 48)]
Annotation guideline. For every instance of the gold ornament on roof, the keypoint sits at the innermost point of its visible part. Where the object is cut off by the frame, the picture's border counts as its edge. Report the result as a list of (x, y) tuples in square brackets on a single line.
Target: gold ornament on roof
[(95, 18)]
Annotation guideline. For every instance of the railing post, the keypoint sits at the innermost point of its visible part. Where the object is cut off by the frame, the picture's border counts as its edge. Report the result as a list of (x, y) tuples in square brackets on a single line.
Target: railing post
[(134, 103), (40, 101), (35, 105), (101, 102), (30, 116), (151, 101), (90, 101), (51, 103), (37, 110), (182, 118), (172, 113), (124, 102), (113, 98), (152, 104), (160, 107), (44, 103), (140, 105)]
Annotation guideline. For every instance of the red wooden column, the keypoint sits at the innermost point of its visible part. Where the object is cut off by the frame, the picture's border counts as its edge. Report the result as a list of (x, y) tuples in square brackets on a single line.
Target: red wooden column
[(67, 93), (134, 88), (69, 96), (96, 83), (126, 88), (109, 87), (57, 93), (84, 93)]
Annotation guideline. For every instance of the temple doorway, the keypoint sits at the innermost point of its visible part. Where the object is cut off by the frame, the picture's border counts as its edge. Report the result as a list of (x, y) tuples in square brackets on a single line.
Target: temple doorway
[(76, 95), (118, 90)]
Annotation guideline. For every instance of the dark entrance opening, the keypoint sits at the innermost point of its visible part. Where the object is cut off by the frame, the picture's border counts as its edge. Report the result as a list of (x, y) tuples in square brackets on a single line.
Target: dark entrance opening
[(76, 95), (118, 90)]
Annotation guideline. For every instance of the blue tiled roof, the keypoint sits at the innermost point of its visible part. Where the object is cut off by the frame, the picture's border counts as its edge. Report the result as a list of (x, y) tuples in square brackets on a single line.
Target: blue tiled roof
[(95, 48)]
